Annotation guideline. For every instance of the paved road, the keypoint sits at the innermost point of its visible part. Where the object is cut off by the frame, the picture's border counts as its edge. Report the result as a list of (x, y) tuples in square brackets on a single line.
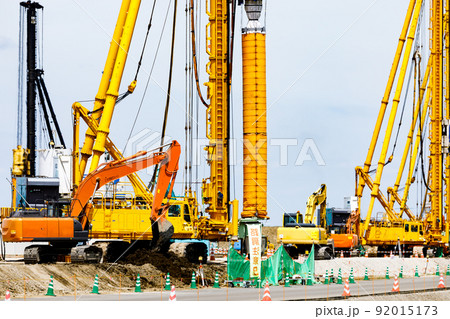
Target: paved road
[(333, 291)]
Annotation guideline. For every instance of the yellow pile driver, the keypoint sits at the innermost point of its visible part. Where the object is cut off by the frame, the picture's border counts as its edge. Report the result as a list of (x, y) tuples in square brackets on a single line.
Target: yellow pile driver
[(429, 227), (118, 218)]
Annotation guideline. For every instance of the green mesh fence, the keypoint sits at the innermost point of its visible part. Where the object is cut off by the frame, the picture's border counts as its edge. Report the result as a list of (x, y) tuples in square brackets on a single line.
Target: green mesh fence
[(273, 269)]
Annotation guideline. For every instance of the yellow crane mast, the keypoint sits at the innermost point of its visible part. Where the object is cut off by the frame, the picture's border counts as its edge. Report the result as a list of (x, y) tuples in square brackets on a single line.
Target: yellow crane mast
[(100, 98), (216, 187), (105, 102), (438, 146), (109, 93)]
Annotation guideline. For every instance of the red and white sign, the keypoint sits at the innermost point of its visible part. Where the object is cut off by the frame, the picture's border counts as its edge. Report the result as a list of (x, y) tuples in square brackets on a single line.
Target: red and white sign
[(254, 239)]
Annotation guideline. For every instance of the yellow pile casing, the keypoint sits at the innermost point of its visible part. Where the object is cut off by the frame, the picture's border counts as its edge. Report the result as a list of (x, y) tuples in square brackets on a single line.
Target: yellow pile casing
[(254, 125)]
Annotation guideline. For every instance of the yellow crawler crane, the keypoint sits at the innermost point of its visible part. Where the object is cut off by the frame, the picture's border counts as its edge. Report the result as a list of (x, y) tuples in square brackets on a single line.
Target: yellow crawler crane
[(122, 215), (427, 229), (121, 218)]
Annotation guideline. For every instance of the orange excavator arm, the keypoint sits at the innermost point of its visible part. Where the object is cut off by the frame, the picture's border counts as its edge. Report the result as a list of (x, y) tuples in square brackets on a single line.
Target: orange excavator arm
[(111, 171)]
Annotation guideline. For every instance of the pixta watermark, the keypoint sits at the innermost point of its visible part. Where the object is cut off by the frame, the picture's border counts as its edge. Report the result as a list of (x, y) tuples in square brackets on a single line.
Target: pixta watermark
[(286, 151)]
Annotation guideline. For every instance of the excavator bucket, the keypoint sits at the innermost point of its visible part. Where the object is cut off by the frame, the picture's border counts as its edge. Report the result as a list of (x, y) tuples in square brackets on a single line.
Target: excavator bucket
[(162, 231)]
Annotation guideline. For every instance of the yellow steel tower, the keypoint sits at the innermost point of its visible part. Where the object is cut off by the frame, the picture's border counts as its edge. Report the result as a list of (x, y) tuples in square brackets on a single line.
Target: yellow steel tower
[(437, 144), (254, 113), (215, 188)]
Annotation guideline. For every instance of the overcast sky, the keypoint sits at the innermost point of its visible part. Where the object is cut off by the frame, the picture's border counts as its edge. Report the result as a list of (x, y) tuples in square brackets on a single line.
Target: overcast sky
[(327, 66)]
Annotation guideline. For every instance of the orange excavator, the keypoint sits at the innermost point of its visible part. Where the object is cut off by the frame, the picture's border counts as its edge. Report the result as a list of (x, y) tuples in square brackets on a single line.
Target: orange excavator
[(64, 224)]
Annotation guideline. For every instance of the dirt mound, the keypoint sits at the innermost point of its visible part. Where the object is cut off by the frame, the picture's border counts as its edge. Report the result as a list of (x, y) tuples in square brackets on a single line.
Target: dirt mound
[(176, 266), (271, 233), (179, 268)]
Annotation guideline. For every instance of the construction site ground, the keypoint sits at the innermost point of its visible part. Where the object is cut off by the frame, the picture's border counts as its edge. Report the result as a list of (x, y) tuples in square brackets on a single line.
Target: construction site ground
[(17, 277), (152, 267)]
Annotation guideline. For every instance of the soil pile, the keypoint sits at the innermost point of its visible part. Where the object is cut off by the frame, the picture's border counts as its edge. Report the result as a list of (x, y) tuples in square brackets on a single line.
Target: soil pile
[(271, 233), (180, 268)]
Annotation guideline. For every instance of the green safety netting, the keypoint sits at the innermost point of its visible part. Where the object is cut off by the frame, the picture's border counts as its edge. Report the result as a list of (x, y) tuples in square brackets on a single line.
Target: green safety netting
[(272, 269)]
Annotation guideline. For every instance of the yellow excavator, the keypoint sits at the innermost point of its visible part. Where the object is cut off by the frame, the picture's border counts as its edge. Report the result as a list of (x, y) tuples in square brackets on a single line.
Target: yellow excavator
[(300, 232)]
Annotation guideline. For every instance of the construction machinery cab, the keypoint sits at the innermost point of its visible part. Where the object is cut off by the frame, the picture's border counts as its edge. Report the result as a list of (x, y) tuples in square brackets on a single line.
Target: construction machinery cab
[(295, 220), (58, 208)]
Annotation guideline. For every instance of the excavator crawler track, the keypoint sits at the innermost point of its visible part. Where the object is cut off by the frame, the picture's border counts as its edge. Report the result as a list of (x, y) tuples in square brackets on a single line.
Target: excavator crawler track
[(86, 254)]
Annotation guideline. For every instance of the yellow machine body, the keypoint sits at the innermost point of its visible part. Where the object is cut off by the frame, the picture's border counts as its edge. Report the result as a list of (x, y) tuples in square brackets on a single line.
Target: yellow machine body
[(126, 218), (302, 235), (388, 233)]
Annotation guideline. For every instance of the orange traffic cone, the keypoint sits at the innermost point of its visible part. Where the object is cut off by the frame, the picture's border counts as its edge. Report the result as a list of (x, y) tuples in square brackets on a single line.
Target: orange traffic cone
[(366, 254), (8, 295), (416, 255), (441, 282), (211, 254), (266, 296), (346, 292), (173, 295), (396, 286), (342, 254), (421, 255)]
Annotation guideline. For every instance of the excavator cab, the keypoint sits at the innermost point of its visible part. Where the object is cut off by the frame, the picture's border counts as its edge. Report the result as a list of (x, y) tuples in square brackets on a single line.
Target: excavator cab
[(292, 219), (58, 208), (295, 220)]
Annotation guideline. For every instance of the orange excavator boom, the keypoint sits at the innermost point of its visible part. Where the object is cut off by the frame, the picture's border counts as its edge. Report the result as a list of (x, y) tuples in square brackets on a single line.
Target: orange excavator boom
[(111, 171)]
